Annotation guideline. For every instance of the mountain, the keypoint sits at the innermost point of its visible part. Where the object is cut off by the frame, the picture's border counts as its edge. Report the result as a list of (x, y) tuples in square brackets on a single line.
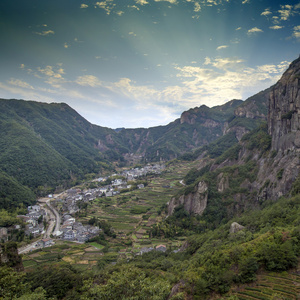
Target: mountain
[(262, 167), (44, 146)]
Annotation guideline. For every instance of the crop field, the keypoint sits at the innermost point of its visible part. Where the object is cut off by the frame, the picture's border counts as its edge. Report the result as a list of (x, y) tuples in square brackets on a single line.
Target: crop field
[(283, 286), (131, 215)]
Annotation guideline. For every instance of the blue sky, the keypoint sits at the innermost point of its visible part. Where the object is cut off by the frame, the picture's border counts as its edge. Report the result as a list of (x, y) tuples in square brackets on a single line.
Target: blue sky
[(141, 63)]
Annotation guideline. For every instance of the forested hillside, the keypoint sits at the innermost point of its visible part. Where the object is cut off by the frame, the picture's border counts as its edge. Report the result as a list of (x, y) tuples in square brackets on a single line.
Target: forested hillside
[(48, 146)]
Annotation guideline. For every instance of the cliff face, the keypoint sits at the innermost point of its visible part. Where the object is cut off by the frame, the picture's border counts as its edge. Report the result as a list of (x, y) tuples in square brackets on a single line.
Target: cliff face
[(194, 202), (282, 169), (278, 169), (274, 168), (284, 110)]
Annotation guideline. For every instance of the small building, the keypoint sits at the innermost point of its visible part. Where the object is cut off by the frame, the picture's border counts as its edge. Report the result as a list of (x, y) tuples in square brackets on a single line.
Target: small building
[(46, 242), (69, 235), (161, 248), (146, 250)]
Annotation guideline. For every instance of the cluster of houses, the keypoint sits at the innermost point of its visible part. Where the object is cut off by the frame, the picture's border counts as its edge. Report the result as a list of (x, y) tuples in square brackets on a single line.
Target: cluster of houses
[(161, 248), (134, 173), (34, 220), (71, 230), (75, 196)]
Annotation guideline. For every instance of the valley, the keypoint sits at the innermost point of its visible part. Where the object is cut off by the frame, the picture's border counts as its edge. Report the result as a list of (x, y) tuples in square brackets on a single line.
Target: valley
[(131, 214), (211, 211)]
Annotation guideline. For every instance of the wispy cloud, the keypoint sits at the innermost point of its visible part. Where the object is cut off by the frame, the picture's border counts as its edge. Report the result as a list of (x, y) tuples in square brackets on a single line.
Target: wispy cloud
[(254, 30), (266, 12), (107, 5), (197, 7), (222, 47), (20, 83), (170, 1), (276, 27), (88, 80), (51, 71), (296, 32), (228, 79), (285, 12), (45, 32), (84, 6), (213, 82), (141, 2)]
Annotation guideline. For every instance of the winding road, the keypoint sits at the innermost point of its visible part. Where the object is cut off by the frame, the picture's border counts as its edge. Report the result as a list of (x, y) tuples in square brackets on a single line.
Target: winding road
[(54, 217), (53, 220)]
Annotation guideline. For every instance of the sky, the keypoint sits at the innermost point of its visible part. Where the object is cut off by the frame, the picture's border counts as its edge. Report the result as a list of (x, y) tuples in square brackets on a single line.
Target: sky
[(141, 63)]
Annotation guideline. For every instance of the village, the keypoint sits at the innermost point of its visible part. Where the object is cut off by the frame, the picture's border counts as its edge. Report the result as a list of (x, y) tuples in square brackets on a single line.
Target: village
[(64, 206)]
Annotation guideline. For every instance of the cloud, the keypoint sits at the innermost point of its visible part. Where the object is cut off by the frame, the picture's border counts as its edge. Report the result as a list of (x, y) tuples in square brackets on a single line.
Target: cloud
[(266, 12), (170, 1), (66, 45), (197, 7), (20, 83), (276, 27), (84, 6), (141, 2), (51, 72), (254, 30), (245, 1), (239, 28), (88, 80), (22, 66), (45, 33), (212, 82), (230, 79), (107, 5), (296, 32), (120, 13), (285, 12), (222, 47)]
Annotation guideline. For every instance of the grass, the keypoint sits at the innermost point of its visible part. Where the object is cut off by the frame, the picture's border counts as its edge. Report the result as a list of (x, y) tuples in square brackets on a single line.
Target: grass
[(98, 246)]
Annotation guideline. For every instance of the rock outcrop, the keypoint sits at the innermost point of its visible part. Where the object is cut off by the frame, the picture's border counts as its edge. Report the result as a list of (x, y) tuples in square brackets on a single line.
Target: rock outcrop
[(195, 202), (284, 110), (235, 227), (255, 107)]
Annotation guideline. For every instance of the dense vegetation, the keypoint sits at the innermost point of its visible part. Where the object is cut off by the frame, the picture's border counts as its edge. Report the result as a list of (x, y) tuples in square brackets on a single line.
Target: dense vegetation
[(50, 146), (54, 150), (212, 262)]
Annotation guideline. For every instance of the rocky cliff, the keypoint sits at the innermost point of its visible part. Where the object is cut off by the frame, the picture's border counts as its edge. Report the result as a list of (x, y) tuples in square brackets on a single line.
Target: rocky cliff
[(194, 202), (266, 162), (284, 110)]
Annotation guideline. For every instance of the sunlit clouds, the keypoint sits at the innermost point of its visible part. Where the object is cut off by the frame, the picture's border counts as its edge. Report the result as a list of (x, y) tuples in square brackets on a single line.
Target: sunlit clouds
[(141, 63)]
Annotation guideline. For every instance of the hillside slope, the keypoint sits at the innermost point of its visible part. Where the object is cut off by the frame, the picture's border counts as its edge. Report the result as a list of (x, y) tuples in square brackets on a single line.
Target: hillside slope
[(48, 145), (263, 166)]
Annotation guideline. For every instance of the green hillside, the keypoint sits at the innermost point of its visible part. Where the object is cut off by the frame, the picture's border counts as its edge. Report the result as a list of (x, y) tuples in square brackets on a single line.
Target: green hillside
[(45, 146)]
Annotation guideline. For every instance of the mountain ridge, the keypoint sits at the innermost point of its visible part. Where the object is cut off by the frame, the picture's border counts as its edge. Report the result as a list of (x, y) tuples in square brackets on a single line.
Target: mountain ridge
[(44, 146)]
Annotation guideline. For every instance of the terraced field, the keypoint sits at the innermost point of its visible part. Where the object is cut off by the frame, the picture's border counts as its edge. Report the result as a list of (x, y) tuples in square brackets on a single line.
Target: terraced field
[(283, 286), (131, 215)]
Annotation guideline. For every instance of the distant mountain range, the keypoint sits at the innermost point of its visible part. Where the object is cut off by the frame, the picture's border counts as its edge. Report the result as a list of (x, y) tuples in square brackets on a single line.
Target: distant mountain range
[(43, 146)]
